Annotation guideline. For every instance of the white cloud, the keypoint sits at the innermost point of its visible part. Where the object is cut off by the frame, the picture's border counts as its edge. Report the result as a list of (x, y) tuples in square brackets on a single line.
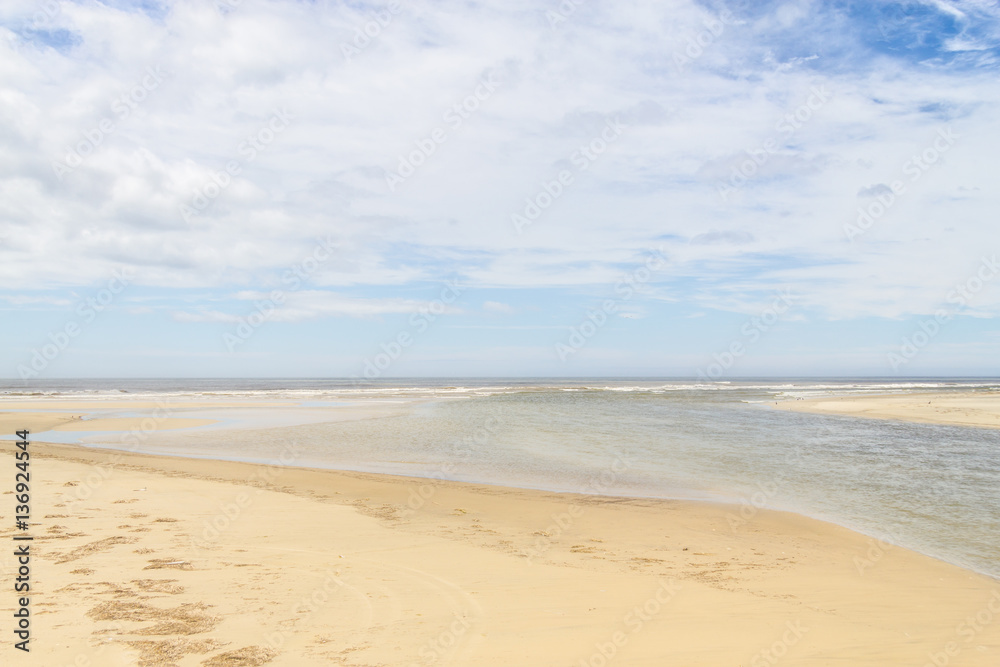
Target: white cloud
[(311, 304), (227, 72)]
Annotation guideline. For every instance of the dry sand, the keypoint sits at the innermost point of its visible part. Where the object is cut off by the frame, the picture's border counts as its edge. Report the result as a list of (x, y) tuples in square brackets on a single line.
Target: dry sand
[(144, 560), (980, 409)]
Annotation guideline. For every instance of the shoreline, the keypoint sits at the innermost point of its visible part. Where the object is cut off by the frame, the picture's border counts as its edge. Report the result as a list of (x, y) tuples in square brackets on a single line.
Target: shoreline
[(722, 503), (170, 416), (503, 575)]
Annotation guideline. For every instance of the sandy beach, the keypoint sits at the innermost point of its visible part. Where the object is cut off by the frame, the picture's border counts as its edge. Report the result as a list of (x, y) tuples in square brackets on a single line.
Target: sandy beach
[(980, 409), (489, 334), (153, 560)]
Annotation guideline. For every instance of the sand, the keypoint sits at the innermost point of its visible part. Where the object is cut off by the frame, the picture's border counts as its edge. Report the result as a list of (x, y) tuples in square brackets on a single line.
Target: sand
[(154, 560), (980, 409)]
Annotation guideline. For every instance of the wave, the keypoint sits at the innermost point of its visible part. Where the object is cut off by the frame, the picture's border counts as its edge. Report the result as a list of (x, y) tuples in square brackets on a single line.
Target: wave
[(347, 390)]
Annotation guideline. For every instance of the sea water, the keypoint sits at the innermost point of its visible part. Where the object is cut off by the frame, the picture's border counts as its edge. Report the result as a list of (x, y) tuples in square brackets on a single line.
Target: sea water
[(932, 488)]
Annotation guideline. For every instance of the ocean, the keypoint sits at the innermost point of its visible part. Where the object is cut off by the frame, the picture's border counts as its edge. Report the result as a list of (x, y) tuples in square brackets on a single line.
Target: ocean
[(931, 488)]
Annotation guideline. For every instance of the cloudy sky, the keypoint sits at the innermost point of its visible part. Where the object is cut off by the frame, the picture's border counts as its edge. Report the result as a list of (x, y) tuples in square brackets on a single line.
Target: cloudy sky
[(277, 188)]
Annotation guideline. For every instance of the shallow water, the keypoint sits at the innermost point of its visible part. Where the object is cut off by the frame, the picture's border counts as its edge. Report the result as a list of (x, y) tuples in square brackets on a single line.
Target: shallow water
[(932, 488)]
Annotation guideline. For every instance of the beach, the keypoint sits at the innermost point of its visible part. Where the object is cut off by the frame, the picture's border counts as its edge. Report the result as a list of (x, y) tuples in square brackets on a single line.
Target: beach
[(488, 334), (979, 409), (159, 560)]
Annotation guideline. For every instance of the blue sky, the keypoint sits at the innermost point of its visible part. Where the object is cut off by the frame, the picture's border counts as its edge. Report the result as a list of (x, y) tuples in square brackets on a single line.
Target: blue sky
[(723, 189)]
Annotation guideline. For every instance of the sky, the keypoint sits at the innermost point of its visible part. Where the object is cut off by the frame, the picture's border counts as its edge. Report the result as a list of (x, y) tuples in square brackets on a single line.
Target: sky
[(253, 188)]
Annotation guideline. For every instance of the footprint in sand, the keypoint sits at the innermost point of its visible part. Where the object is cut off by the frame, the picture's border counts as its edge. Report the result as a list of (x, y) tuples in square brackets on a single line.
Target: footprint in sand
[(93, 548), (249, 656), (168, 586), (168, 564)]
